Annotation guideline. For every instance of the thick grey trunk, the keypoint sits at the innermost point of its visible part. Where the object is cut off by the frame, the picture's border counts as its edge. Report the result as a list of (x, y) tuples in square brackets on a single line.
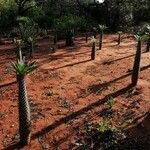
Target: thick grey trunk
[(93, 52), (119, 39), (24, 112), (86, 37), (148, 45), (136, 66), (100, 40)]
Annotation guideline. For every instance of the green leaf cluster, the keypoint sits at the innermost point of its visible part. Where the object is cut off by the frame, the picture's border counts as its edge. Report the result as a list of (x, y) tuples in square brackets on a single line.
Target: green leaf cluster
[(23, 68), (144, 37)]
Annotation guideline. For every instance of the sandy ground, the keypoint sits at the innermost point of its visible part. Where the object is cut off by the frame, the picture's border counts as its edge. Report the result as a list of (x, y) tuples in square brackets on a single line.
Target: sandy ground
[(68, 89)]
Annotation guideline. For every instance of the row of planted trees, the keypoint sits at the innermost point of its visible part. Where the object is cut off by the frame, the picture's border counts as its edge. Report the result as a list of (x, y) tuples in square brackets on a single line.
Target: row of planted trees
[(22, 68), (140, 37)]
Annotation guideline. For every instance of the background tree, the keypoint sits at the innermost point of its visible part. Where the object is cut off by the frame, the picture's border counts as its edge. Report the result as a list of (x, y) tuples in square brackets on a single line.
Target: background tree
[(136, 66), (102, 28), (93, 52), (24, 6), (119, 37)]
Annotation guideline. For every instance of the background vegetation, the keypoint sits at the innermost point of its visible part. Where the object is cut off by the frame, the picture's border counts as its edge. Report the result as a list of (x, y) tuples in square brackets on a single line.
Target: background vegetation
[(49, 14)]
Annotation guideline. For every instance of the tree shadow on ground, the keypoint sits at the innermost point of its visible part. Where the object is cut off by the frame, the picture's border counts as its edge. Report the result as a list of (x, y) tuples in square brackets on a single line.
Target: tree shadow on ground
[(112, 61), (8, 84), (98, 88), (69, 65)]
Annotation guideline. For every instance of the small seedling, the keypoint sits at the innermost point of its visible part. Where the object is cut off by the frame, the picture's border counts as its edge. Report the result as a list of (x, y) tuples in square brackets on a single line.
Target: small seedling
[(102, 127), (106, 125), (110, 101)]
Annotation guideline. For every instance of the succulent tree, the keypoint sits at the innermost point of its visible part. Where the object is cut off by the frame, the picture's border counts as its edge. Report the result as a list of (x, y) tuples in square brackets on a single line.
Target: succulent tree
[(31, 41), (93, 52), (147, 31), (68, 24), (18, 44), (148, 45), (136, 66), (102, 28), (119, 37), (148, 41), (55, 38), (69, 37), (86, 36), (22, 68)]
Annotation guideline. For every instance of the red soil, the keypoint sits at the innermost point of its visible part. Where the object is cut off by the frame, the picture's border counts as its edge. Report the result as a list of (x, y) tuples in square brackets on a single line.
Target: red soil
[(68, 88)]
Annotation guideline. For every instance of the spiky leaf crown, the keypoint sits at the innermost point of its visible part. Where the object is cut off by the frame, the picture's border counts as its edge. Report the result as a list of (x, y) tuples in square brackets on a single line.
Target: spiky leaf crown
[(23, 68)]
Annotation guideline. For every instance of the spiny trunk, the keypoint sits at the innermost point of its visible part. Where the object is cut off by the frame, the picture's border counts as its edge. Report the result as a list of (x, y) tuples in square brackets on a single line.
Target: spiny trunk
[(148, 45), (100, 40), (119, 39), (93, 52), (24, 112), (136, 66)]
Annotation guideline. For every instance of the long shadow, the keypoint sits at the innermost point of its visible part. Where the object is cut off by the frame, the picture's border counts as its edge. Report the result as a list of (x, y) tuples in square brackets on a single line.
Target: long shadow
[(57, 57), (100, 87), (15, 146), (70, 65), (79, 112), (8, 84), (112, 61)]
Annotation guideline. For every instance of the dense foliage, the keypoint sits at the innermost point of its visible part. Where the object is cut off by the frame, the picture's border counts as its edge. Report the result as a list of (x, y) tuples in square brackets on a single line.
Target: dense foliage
[(115, 14)]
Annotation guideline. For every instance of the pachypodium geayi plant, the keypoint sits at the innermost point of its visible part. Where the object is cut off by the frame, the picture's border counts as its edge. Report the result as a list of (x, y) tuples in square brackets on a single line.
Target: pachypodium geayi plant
[(102, 28), (136, 65), (148, 41), (18, 44), (31, 41), (93, 52), (22, 68), (119, 37)]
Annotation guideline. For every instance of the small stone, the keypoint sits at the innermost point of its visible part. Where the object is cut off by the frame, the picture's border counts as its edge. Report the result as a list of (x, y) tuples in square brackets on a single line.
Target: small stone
[(12, 125)]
